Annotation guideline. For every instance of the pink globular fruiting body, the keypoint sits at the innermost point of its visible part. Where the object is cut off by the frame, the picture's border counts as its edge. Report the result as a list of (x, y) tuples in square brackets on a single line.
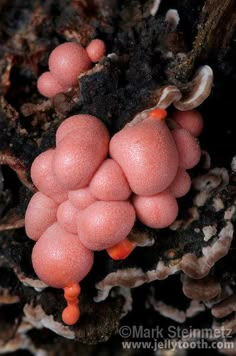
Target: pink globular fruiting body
[(66, 62), (189, 120), (96, 50), (89, 201)]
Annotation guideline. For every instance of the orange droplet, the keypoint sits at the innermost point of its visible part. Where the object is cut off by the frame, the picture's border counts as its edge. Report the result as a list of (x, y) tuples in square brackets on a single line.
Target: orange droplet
[(71, 314), (72, 290), (121, 250), (158, 114)]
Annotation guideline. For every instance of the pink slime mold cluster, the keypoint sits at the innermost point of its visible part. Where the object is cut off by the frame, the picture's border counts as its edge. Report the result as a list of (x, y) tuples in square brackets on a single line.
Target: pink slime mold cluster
[(66, 62), (92, 187)]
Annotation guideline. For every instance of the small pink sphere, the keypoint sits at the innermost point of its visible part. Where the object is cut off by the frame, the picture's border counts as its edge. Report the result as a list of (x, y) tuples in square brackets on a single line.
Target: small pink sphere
[(67, 217), (96, 50), (81, 198), (59, 258), (157, 211), (147, 155), (188, 148), (109, 182), (181, 184), (44, 178), (104, 224), (40, 214), (78, 125), (79, 154), (67, 61), (191, 121), (48, 86)]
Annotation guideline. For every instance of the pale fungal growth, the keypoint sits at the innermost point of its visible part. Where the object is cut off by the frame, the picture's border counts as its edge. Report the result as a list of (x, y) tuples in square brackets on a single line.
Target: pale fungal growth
[(155, 7), (202, 290), (172, 18), (209, 231), (197, 90)]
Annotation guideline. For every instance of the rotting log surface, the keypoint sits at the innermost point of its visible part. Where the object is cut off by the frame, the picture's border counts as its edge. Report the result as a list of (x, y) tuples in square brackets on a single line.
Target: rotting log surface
[(30, 318)]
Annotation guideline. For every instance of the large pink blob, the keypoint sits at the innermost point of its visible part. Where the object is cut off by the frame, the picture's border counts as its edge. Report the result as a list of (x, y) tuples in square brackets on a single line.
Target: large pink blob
[(189, 120), (40, 214), (157, 211), (67, 216), (188, 148), (147, 154), (109, 182), (59, 258), (181, 184), (81, 198), (44, 178), (67, 61), (81, 123), (48, 86), (104, 224), (79, 154)]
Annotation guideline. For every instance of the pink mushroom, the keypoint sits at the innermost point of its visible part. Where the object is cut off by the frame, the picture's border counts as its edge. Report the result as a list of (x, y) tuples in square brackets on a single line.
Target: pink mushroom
[(96, 50), (80, 153), (109, 182), (40, 214), (44, 178), (147, 154), (67, 61), (81, 198), (81, 124), (190, 120), (157, 211), (181, 184), (188, 148), (48, 86), (67, 217), (59, 258), (104, 224)]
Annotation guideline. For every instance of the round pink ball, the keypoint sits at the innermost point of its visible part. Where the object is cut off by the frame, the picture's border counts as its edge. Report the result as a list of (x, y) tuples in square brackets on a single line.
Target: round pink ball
[(96, 50), (48, 86), (79, 125), (44, 179), (67, 217), (157, 211), (109, 182), (67, 61), (181, 184), (40, 214), (104, 224), (188, 148), (190, 120), (59, 258), (79, 154), (147, 155)]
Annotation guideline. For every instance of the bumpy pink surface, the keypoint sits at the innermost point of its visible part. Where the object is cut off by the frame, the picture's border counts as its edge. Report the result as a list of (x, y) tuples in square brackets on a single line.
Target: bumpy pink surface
[(96, 50), (81, 124), (67, 217), (189, 120), (81, 198), (78, 156), (157, 211), (181, 184), (44, 178), (67, 61), (188, 148), (48, 86), (59, 258), (109, 182), (104, 224), (40, 214), (147, 154)]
